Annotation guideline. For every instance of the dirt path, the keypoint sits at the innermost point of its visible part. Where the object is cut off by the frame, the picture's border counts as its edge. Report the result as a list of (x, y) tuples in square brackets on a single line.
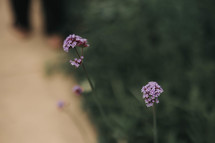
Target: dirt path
[(28, 112)]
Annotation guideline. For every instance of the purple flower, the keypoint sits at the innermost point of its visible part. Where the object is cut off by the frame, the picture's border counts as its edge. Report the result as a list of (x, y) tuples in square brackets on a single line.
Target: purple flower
[(77, 90), (61, 104), (73, 41), (151, 92), (77, 62)]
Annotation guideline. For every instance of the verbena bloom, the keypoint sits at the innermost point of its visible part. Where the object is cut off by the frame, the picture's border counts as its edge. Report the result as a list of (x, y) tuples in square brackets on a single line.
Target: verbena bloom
[(74, 41), (77, 62), (151, 92), (60, 104), (77, 90)]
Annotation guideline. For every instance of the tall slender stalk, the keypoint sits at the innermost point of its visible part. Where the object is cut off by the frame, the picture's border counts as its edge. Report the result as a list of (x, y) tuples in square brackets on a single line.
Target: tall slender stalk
[(155, 125), (93, 90), (90, 82), (85, 71)]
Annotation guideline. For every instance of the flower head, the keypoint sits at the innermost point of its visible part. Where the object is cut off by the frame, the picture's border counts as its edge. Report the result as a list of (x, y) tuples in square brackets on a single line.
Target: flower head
[(151, 92), (60, 104), (73, 41), (77, 62), (77, 90)]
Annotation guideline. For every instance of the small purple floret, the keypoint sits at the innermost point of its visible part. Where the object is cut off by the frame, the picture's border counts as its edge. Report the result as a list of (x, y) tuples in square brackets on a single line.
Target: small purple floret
[(61, 104), (74, 41), (77, 62), (151, 92), (77, 90)]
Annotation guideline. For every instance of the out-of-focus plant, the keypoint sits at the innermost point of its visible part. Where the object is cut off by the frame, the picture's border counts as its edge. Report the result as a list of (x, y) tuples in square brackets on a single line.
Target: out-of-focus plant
[(151, 92), (135, 41)]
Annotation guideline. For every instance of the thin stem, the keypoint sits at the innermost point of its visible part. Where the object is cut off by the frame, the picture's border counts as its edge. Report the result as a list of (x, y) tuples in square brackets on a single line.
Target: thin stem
[(97, 102), (155, 125), (94, 96), (77, 52), (93, 90), (90, 82)]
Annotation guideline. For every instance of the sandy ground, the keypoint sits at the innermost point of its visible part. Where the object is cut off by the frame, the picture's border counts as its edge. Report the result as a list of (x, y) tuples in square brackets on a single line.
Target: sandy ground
[(28, 112)]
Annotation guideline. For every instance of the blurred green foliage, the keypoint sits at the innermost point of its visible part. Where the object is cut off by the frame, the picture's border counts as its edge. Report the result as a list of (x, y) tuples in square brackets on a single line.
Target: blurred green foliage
[(135, 41)]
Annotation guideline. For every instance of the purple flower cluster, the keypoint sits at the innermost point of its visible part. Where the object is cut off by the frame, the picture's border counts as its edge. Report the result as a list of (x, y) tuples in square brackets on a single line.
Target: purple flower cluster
[(77, 62), (77, 90), (73, 41), (151, 92)]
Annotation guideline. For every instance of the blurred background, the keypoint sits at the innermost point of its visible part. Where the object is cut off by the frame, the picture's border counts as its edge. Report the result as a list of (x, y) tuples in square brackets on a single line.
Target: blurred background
[(28, 97), (133, 42)]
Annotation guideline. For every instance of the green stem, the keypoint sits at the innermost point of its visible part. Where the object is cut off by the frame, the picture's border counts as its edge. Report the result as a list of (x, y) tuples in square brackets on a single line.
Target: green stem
[(91, 84), (97, 101), (93, 90), (85, 71), (155, 125)]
